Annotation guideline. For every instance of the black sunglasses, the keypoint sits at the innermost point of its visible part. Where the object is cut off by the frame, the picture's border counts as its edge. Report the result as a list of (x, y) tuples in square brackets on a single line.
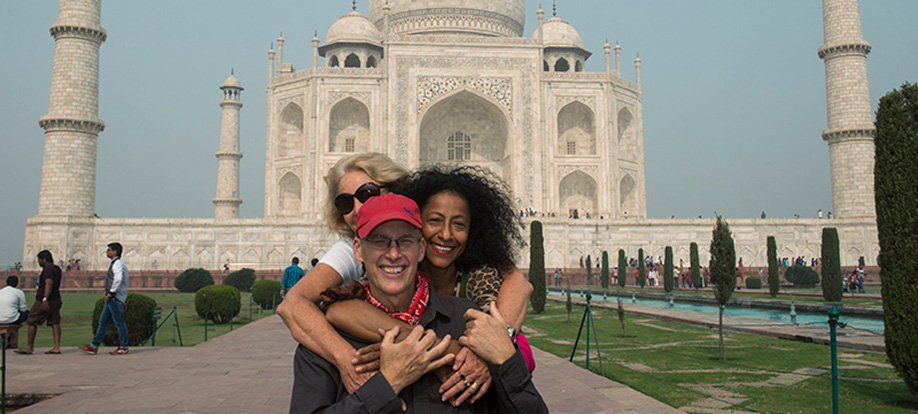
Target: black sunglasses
[(344, 202)]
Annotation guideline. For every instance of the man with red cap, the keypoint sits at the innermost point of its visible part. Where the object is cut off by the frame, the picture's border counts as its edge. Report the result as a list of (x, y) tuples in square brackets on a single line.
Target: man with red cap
[(390, 246)]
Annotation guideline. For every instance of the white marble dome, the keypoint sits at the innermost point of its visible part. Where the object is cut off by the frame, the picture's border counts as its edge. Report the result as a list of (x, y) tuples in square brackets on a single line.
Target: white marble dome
[(502, 18), (559, 33), (353, 28), (232, 82)]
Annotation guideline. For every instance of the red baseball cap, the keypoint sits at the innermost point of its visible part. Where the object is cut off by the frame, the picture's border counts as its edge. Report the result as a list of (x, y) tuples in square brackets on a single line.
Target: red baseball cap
[(386, 207)]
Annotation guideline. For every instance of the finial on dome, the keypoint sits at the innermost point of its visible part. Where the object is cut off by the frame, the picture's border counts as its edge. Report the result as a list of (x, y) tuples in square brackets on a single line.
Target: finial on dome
[(232, 71), (354, 5), (554, 9)]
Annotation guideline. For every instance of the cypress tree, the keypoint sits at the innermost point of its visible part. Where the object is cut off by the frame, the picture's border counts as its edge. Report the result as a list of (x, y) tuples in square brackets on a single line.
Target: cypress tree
[(569, 305), (537, 267), (695, 265), (642, 270), (589, 269), (604, 272), (831, 266), (668, 269), (723, 271), (896, 185), (774, 283), (622, 268)]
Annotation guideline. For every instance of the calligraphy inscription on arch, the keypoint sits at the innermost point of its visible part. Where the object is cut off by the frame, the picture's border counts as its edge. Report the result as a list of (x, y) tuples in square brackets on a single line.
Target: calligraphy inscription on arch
[(591, 170), (501, 89), (335, 96), (562, 100)]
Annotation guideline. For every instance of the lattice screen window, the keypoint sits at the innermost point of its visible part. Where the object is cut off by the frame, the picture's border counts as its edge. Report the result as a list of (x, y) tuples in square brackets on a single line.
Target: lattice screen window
[(459, 147), (571, 147), (349, 145)]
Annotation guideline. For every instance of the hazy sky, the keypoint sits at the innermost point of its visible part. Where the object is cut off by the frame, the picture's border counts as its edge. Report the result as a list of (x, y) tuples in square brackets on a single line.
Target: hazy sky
[(734, 97)]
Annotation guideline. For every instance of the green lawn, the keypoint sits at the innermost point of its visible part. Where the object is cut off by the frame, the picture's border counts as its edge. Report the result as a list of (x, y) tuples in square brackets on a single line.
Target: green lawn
[(787, 295), (680, 366), (76, 322)]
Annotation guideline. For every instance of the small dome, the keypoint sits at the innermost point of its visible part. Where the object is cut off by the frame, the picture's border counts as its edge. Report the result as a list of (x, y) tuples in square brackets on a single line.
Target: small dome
[(231, 81), (559, 33), (353, 28)]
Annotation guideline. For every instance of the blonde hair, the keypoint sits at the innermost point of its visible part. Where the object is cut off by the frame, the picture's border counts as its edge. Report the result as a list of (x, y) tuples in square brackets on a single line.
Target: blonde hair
[(381, 169)]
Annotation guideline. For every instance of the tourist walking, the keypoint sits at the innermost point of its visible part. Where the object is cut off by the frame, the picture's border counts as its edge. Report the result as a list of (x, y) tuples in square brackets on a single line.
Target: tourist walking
[(47, 307), (116, 290), (292, 274)]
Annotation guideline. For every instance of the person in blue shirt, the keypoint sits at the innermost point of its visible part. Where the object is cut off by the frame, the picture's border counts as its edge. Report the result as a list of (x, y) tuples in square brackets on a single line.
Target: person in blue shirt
[(292, 274)]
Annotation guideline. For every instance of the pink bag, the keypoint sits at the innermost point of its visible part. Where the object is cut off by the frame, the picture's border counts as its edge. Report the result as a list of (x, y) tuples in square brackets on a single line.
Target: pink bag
[(526, 350)]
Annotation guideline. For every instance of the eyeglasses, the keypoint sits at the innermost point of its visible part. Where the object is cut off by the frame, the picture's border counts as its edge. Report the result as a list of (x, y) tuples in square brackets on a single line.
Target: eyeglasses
[(344, 202), (382, 243)]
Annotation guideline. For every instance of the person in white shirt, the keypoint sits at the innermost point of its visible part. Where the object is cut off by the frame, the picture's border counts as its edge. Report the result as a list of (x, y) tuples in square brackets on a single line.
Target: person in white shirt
[(13, 308)]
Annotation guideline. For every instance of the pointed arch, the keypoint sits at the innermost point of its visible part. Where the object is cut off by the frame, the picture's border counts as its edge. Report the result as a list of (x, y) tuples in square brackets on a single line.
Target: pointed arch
[(484, 123), (576, 130), (578, 66), (352, 61), (578, 192), (625, 125), (290, 138), (333, 62), (561, 65), (545, 67), (289, 198), (371, 62), (628, 195), (349, 126)]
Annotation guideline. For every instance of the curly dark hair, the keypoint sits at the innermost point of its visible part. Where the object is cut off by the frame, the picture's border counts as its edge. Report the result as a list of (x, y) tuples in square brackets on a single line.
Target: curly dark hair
[(496, 230)]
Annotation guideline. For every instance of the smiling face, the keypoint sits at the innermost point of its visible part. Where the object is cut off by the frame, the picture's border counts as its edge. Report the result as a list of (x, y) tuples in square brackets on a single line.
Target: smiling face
[(350, 182), (391, 272), (446, 222)]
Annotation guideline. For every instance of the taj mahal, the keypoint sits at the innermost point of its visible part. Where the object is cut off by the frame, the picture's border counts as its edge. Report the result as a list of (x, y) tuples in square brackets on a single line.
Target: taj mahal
[(428, 82)]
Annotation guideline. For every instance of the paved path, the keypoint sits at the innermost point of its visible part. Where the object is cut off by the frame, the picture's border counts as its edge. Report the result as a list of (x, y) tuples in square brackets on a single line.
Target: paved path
[(245, 371)]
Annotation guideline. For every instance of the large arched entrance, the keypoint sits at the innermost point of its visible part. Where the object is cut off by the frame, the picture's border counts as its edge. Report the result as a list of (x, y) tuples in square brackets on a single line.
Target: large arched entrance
[(465, 127)]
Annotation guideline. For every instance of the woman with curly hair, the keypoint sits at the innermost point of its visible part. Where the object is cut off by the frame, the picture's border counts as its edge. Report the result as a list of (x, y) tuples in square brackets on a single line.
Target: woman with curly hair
[(472, 234)]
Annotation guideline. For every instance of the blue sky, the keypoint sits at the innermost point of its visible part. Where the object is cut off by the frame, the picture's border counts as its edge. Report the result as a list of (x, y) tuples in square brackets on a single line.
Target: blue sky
[(734, 97)]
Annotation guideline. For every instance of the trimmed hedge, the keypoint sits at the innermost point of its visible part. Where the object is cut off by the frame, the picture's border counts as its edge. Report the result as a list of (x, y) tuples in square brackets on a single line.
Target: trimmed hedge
[(622, 268), (668, 282), (266, 293), (801, 276), (193, 279), (138, 317), (223, 303), (774, 284), (241, 279), (695, 266), (831, 266), (537, 267), (753, 282)]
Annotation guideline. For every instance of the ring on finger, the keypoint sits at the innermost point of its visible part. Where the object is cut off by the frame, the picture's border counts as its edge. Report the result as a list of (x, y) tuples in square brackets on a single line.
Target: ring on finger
[(474, 386), (467, 384)]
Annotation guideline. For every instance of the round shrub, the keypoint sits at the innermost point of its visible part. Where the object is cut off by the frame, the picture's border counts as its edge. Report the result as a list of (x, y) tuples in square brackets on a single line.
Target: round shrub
[(193, 279), (801, 276), (223, 303), (241, 279), (138, 317), (753, 282), (266, 292)]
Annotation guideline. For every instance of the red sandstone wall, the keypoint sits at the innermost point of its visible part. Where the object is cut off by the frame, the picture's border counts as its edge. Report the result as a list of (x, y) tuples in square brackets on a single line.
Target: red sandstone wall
[(139, 279)]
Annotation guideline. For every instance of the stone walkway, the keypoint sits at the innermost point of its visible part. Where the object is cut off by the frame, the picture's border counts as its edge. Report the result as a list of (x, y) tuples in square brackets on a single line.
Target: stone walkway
[(248, 370)]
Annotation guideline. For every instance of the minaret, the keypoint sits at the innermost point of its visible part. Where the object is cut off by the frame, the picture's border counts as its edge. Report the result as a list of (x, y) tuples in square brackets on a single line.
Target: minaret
[(850, 112), (227, 201), (72, 125)]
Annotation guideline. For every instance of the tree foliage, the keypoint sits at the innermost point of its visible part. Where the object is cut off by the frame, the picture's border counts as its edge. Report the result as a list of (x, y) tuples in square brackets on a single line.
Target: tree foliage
[(223, 303), (266, 293), (695, 265), (896, 186), (604, 271), (622, 268), (589, 269), (668, 281), (774, 284), (193, 279), (569, 305), (723, 271), (801, 276), (537, 267), (831, 266), (241, 279), (642, 269)]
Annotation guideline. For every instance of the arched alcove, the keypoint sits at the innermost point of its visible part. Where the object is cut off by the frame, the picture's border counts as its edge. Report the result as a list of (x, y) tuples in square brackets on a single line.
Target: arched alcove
[(578, 66), (371, 62), (290, 138), (352, 61), (333, 62), (349, 127), (625, 125), (628, 196), (475, 117), (578, 192), (289, 198), (561, 65), (545, 66), (576, 130)]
